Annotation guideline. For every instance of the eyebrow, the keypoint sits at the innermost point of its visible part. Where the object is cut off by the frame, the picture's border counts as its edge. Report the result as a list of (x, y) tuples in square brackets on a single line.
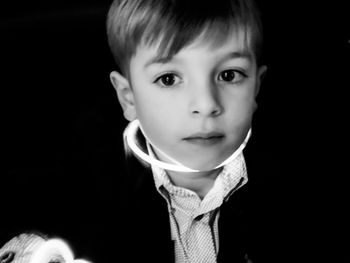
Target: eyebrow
[(158, 60), (244, 54)]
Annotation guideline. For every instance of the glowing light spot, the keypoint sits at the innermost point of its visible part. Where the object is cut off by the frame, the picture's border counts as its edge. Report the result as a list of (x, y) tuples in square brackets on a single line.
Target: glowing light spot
[(54, 249)]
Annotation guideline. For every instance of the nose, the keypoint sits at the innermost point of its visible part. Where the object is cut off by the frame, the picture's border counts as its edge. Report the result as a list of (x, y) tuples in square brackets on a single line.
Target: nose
[(205, 101)]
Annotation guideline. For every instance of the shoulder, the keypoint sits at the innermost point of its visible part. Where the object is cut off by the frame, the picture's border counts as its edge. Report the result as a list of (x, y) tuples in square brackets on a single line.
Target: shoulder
[(256, 207)]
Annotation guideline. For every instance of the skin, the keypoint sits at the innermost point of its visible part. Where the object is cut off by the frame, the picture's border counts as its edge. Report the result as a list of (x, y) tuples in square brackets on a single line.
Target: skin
[(202, 89)]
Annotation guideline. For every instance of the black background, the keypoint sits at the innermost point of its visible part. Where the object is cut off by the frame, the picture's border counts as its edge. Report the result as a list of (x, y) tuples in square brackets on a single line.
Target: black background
[(59, 109)]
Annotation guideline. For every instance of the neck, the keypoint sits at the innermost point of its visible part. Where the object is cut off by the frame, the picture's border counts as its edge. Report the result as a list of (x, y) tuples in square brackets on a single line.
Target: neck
[(199, 182)]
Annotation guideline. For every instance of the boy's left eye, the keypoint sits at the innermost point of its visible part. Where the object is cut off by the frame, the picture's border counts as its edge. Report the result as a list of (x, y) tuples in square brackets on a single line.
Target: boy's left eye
[(231, 75)]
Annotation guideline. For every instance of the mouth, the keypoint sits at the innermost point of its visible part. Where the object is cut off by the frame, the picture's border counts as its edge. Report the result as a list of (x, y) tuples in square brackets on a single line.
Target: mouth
[(205, 138)]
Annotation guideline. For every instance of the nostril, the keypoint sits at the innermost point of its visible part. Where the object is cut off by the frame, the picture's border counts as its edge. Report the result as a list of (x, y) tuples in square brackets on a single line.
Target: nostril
[(217, 111), (7, 257)]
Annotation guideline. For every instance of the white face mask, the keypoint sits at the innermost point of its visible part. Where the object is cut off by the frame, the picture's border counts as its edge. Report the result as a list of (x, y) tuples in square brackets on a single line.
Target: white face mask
[(130, 138)]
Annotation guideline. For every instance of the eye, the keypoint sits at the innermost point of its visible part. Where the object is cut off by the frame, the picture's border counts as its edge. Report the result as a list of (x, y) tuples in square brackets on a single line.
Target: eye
[(231, 75), (168, 80)]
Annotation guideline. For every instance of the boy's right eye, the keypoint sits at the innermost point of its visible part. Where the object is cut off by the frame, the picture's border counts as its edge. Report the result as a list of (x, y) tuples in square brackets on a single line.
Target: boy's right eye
[(167, 80)]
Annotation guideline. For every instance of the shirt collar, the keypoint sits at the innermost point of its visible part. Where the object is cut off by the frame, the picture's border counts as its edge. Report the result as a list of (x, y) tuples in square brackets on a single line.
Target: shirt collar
[(232, 177)]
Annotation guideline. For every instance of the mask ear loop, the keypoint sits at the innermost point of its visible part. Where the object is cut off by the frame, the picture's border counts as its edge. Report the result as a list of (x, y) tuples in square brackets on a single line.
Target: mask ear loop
[(130, 136), (238, 151), (172, 160)]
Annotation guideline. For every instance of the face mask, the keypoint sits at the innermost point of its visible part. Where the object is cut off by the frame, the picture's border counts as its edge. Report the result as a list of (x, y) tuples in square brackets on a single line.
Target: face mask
[(130, 138)]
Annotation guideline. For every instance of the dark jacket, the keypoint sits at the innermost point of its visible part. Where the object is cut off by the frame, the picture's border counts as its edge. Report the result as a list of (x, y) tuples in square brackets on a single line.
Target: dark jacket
[(106, 210), (146, 228)]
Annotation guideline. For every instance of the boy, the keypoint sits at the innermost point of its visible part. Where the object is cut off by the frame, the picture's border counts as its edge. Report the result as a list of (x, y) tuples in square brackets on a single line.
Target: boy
[(189, 73)]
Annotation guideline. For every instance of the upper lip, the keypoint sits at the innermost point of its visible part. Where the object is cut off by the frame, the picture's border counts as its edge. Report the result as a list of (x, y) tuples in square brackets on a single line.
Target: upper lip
[(204, 135)]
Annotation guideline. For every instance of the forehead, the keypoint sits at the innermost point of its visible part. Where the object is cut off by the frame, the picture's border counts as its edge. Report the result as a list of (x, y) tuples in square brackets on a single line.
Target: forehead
[(235, 41), (236, 44)]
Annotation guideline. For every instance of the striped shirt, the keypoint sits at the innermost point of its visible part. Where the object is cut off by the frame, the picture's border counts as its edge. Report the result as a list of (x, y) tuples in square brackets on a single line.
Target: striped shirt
[(194, 221)]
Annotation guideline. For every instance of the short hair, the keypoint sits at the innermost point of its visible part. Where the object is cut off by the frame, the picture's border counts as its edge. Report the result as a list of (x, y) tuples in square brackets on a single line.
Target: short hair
[(174, 24)]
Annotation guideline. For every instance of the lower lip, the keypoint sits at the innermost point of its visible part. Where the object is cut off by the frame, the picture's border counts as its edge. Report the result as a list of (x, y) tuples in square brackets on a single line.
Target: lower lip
[(204, 142)]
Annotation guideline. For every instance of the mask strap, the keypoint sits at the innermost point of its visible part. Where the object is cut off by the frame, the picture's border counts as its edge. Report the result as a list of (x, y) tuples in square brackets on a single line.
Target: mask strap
[(172, 160), (130, 136)]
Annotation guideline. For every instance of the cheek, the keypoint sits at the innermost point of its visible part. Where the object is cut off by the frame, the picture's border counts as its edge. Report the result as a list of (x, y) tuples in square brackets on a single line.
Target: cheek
[(153, 102), (240, 105), (151, 106), (155, 114), (239, 117)]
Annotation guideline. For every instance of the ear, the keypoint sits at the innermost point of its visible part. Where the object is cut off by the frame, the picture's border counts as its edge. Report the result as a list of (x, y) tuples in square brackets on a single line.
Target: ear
[(260, 76), (125, 95)]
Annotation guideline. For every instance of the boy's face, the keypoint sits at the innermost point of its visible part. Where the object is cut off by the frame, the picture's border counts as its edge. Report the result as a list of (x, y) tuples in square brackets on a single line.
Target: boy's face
[(197, 107)]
